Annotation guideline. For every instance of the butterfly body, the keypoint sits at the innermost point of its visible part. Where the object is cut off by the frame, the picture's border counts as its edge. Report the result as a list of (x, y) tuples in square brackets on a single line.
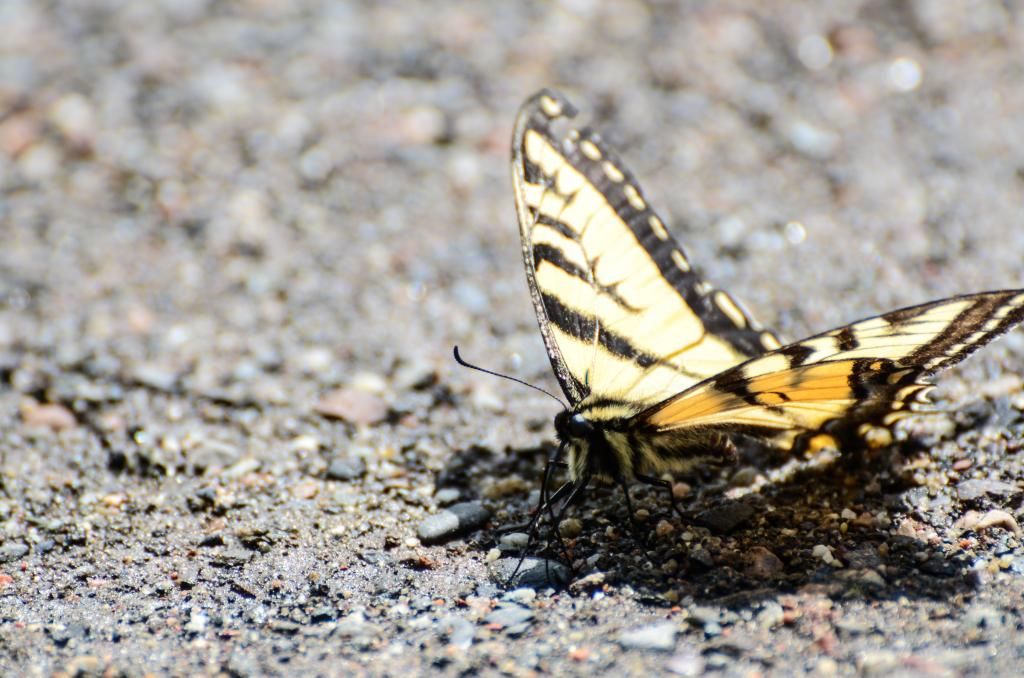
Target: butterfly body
[(661, 368), (606, 442)]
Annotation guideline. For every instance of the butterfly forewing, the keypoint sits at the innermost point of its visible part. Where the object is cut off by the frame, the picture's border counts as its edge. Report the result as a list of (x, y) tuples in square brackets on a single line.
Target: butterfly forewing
[(623, 315)]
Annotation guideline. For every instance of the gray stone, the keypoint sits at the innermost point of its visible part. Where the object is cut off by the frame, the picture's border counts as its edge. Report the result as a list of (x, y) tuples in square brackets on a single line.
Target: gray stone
[(346, 468), (725, 518), (686, 663), (976, 488), (508, 615), (660, 637), (12, 551), (452, 522), (460, 631), (514, 541), (446, 496), (532, 573), (523, 596)]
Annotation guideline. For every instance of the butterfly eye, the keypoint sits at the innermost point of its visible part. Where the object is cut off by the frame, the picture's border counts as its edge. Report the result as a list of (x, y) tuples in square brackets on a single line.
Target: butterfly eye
[(579, 427)]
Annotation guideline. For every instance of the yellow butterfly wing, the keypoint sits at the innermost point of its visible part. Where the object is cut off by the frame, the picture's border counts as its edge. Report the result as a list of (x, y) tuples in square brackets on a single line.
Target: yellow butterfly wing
[(624, 317), (866, 374)]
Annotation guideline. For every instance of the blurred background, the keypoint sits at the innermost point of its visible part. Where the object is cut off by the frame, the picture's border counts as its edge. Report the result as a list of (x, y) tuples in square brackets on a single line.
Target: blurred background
[(201, 190)]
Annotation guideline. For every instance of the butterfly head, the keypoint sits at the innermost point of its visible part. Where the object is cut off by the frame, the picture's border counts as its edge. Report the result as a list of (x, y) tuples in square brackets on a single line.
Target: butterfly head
[(588, 449)]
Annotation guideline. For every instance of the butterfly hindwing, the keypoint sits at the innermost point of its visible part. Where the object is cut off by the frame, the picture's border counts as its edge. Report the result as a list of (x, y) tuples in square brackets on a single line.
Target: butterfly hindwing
[(623, 315), (841, 382)]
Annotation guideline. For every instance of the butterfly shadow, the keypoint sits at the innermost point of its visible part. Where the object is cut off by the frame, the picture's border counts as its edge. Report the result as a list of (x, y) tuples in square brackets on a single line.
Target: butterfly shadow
[(843, 528)]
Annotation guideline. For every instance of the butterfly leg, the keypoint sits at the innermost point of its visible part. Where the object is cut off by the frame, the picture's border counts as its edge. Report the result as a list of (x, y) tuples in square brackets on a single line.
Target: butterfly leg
[(546, 505), (666, 485), (635, 527), (574, 496)]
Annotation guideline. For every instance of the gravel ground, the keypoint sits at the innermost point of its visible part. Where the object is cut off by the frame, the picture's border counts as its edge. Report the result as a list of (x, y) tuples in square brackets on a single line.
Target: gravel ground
[(240, 239)]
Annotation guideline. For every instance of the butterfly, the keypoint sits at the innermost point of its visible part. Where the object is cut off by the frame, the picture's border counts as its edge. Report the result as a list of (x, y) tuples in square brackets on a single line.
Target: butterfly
[(661, 369)]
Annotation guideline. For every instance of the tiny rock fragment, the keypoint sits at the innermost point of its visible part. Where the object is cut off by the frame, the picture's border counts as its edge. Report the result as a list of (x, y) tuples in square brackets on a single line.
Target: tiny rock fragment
[(346, 468), (660, 637), (74, 118), (976, 488), (353, 405), (306, 490), (452, 522), (534, 573), (762, 563), (976, 521), (725, 517), (53, 416), (570, 527), (686, 663), (508, 616), (12, 551)]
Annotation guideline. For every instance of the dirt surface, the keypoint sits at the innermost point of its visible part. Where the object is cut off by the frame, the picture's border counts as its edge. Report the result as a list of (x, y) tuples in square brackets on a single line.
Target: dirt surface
[(238, 241)]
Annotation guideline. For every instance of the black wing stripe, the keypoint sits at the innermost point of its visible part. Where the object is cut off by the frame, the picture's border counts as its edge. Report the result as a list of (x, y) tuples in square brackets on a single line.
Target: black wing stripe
[(583, 327), (963, 328), (556, 257)]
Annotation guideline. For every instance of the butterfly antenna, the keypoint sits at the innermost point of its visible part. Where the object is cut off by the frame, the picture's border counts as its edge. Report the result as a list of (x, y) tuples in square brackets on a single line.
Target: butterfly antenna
[(471, 366)]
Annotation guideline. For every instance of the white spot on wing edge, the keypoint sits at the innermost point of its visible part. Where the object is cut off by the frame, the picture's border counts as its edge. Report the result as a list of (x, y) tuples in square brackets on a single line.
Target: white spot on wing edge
[(727, 306), (550, 106), (658, 227), (613, 172), (633, 196), (680, 261), (590, 149)]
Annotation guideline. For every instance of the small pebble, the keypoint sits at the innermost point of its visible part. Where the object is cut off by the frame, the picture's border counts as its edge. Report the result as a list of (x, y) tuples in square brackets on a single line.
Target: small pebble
[(446, 496), (12, 551), (353, 405), (726, 517), (197, 623), (346, 468), (680, 490), (505, 616), (74, 118), (460, 631), (762, 563), (53, 416), (241, 468), (975, 521), (454, 521), (306, 490), (522, 596), (976, 488), (570, 527), (744, 477), (824, 553), (687, 663), (771, 615), (660, 637), (514, 541), (533, 573)]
